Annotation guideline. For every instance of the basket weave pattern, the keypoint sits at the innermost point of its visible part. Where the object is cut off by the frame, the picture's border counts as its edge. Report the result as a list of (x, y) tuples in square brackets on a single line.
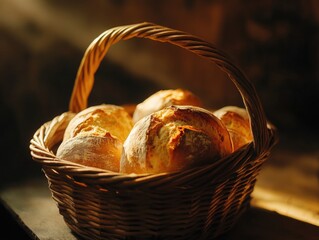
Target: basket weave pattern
[(200, 203)]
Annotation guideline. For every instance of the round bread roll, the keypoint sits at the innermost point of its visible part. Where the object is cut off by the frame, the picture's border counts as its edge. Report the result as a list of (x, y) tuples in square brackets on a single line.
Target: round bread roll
[(173, 139), (100, 120), (95, 137), (165, 98), (236, 120), (92, 151)]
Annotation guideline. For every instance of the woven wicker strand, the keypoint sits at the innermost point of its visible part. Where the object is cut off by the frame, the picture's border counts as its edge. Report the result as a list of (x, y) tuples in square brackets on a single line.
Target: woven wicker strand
[(200, 203)]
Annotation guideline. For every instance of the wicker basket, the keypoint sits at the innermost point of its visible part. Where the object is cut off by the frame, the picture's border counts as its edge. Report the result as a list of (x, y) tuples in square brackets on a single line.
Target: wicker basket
[(200, 203)]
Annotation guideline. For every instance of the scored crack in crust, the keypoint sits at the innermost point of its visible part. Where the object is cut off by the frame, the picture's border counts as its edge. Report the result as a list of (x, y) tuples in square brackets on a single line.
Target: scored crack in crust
[(95, 137), (100, 120), (174, 138)]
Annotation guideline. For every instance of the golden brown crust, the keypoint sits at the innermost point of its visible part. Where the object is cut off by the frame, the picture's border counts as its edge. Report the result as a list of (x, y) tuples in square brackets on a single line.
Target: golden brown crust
[(130, 108), (173, 139), (165, 98), (93, 151), (134, 155), (100, 120), (236, 120), (95, 136)]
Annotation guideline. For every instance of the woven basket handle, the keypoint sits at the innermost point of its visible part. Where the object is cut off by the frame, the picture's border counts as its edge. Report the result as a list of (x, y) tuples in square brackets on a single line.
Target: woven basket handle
[(99, 47)]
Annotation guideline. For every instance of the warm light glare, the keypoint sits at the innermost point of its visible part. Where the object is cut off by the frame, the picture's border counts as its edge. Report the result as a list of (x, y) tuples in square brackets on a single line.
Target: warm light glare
[(287, 205)]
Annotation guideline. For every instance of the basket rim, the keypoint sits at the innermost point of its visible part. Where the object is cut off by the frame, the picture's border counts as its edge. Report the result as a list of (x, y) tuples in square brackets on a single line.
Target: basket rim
[(41, 151)]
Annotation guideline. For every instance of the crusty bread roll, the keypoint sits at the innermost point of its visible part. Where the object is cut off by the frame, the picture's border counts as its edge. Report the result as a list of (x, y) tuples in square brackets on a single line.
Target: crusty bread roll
[(165, 98), (173, 139), (92, 151), (95, 136), (236, 120)]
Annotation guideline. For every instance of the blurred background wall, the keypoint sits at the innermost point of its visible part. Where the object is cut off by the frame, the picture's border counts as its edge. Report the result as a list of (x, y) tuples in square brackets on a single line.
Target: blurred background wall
[(42, 43)]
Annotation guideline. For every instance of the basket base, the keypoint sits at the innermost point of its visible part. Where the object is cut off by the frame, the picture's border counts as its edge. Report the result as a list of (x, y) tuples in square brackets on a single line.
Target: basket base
[(216, 232)]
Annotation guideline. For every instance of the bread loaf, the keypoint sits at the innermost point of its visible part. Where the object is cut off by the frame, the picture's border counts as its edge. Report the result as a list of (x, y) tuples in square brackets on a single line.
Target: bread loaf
[(236, 120), (95, 136), (100, 120), (173, 139), (165, 98)]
